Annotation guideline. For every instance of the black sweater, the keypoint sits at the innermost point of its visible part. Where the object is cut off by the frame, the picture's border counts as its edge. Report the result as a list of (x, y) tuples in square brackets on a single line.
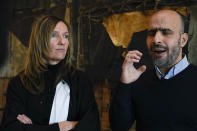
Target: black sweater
[(157, 105), (82, 107)]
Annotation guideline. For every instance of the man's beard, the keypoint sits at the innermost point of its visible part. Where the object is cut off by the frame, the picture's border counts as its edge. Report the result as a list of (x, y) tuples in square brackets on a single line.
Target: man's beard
[(170, 58)]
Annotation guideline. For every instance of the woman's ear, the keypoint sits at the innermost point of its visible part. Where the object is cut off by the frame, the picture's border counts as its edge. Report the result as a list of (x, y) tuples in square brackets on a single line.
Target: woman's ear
[(184, 39)]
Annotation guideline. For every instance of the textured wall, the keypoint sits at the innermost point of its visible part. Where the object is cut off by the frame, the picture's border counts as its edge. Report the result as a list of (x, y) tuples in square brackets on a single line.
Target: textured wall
[(14, 64), (193, 35), (15, 59)]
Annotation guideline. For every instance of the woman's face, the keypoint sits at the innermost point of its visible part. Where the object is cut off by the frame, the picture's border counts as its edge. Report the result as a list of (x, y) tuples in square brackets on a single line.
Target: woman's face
[(58, 44)]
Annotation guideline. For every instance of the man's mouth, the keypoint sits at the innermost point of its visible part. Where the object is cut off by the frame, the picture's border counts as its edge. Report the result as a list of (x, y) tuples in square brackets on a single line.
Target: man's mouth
[(158, 50)]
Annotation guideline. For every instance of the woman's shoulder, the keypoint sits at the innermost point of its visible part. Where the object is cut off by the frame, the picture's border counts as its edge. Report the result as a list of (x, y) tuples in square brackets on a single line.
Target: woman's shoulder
[(16, 79), (77, 73), (15, 82), (77, 76)]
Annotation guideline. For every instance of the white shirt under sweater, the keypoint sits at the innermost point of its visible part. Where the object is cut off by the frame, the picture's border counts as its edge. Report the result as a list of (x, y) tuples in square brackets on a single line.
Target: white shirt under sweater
[(180, 66), (60, 107)]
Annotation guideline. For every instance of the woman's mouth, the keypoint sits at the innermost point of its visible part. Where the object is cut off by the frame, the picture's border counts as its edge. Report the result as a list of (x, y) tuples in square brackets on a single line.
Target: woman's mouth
[(61, 49)]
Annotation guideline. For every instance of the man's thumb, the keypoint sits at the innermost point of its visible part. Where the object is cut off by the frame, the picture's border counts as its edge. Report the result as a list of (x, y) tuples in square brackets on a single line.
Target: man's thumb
[(141, 69)]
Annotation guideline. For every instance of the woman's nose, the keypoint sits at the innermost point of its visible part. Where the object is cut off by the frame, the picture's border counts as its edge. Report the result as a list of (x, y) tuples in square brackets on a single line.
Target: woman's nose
[(62, 40)]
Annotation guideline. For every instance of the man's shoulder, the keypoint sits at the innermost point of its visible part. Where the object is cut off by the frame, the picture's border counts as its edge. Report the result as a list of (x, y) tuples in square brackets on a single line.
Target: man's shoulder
[(191, 69), (192, 66)]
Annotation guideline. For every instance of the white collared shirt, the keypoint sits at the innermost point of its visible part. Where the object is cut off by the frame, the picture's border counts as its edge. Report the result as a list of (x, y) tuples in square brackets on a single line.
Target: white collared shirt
[(180, 66), (60, 107)]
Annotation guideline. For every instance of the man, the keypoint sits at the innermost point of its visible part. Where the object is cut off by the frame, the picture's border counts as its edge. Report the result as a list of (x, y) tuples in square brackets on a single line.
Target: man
[(162, 99)]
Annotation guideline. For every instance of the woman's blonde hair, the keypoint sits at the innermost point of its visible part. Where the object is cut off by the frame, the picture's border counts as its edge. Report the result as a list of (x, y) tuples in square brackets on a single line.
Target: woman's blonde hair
[(33, 76)]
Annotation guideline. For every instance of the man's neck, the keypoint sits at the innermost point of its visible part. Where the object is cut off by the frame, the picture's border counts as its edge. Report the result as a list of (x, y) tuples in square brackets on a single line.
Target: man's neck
[(165, 69), (172, 71)]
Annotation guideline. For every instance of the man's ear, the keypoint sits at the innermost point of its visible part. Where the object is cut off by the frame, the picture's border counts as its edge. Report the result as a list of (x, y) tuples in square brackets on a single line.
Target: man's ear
[(184, 39)]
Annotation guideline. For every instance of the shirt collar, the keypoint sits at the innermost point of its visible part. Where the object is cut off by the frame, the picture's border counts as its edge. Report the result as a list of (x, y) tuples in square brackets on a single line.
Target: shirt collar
[(180, 66)]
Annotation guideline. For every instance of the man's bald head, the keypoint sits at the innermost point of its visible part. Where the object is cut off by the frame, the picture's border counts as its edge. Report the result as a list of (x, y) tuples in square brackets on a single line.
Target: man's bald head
[(170, 15)]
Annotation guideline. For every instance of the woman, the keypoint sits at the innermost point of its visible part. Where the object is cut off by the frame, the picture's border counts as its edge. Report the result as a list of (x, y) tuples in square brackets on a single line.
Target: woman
[(49, 95)]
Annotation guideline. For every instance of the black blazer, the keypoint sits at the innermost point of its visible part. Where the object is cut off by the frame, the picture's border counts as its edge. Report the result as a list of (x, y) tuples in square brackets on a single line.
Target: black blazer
[(82, 106)]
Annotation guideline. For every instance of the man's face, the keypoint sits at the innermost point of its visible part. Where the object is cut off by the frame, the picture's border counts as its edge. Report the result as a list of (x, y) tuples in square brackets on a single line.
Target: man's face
[(164, 39)]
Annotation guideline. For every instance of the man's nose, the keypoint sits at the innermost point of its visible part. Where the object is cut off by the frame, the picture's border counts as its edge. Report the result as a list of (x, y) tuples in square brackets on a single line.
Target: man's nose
[(158, 37)]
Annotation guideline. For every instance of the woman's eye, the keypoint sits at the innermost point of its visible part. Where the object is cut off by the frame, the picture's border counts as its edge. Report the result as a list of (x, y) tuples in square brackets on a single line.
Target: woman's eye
[(66, 36), (54, 34)]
